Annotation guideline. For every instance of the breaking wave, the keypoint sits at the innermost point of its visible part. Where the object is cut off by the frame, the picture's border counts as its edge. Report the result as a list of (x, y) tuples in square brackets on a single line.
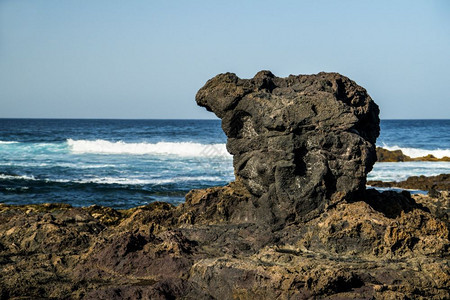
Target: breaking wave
[(160, 148), (416, 152), (117, 180)]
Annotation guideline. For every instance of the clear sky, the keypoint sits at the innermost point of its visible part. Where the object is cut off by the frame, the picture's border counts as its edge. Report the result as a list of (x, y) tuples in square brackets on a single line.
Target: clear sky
[(147, 59)]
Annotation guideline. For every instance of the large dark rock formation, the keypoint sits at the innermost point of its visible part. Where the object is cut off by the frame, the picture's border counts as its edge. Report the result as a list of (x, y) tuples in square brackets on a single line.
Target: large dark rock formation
[(297, 142)]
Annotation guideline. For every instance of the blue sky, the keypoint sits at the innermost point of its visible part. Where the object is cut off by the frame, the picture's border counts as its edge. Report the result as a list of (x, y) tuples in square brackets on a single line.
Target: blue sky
[(147, 59)]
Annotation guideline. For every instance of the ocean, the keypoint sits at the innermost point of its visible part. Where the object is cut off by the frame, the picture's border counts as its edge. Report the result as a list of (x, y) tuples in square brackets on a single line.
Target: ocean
[(126, 163)]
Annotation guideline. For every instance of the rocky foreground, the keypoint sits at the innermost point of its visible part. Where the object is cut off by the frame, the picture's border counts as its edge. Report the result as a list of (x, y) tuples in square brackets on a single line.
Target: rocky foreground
[(297, 223), (386, 246)]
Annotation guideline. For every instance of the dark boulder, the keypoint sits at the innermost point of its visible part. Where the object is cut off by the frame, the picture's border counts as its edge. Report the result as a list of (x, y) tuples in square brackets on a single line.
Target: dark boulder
[(298, 143)]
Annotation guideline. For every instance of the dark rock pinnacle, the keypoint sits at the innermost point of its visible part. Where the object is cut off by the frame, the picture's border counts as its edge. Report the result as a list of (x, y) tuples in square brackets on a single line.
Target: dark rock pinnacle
[(298, 143)]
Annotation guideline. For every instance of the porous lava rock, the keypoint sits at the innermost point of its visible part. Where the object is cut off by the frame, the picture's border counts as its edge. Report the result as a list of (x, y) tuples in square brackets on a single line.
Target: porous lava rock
[(298, 143), (427, 183), (383, 247)]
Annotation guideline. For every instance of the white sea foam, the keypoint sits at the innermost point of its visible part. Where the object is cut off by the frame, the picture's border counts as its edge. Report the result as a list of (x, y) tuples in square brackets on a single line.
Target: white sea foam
[(382, 189), (140, 181), (187, 149), (63, 165), (6, 176), (398, 171), (82, 166), (121, 180), (8, 142), (416, 152)]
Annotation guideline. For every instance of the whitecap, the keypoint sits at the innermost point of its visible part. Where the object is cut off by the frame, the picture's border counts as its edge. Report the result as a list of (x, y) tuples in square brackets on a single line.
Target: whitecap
[(417, 152), (186, 149), (398, 171), (15, 177), (8, 142), (140, 181), (120, 180)]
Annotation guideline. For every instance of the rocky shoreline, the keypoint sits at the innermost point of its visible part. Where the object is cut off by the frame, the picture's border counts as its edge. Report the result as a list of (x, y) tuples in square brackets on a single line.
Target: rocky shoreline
[(384, 155), (426, 183), (297, 223), (386, 246)]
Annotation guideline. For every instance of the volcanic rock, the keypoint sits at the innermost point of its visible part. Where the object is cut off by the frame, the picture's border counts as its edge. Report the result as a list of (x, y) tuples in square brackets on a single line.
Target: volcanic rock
[(437, 202), (383, 247), (298, 143)]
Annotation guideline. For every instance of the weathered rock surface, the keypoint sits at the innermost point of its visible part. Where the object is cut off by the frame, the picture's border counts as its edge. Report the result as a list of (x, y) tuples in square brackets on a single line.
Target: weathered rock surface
[(298, 143), (384, 155), (385, 246), (344, 244), (438, 202)]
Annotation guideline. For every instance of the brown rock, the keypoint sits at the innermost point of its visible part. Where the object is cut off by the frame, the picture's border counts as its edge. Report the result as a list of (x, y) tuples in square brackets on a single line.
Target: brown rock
[(372, 248), (438, 204), (384, 155)]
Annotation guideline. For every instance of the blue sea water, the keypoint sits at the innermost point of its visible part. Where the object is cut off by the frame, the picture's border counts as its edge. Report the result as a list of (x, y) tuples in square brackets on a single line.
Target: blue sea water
[(125, 163)]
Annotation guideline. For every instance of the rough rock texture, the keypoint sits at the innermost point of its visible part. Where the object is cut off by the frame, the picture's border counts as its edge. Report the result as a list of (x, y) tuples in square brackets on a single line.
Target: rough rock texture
[(299, 142), (385, 246), (384, 155), (438, 202), (220, 245), (431, 183)]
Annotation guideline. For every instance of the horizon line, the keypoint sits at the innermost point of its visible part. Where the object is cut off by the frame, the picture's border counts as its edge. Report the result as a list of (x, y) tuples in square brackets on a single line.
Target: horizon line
[(167, 119)]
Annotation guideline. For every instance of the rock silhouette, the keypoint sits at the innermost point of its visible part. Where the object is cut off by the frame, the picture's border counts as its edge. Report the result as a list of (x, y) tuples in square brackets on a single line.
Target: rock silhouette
[(298, 143)]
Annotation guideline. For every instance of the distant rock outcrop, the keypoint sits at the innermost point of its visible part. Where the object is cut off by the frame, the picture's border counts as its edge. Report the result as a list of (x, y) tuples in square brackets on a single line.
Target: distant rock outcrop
[(297, 142), (384, 155), (439, 182)]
